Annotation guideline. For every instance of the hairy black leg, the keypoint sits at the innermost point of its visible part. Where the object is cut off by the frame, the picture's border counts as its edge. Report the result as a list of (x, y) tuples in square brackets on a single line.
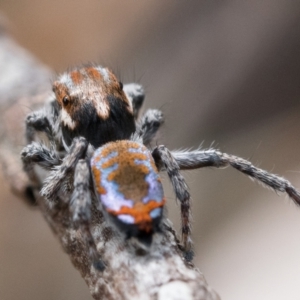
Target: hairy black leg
[(163, 157), (148, 126), (52, 184), (188, 160), (136, 94)]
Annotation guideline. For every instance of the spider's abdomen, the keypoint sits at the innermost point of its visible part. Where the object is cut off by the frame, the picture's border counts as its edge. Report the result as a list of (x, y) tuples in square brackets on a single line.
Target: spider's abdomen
[(128, 184)]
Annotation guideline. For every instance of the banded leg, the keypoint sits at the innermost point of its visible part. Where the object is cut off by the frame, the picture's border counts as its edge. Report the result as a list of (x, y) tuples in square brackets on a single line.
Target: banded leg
[(136, 94), (80, 207), (164, 158), (39, 154), (188, 160), (148, 126), (39, 121), (52, 184), (36, 153)]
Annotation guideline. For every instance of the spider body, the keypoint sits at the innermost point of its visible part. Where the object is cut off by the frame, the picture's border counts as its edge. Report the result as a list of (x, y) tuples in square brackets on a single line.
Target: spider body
[(93, 104), (128, 186), (93, 128), (87, 101)]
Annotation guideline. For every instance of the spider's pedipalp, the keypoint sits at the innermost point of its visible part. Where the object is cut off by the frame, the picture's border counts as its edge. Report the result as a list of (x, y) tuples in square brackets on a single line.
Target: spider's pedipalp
[(164, 158), (188, 160)]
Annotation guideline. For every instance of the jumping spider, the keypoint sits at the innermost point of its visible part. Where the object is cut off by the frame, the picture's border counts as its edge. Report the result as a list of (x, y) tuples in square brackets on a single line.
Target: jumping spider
[(93, 129)]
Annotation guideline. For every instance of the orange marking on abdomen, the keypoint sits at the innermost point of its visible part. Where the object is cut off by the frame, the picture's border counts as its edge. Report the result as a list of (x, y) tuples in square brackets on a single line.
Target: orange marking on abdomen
[(140, 212), (129, 175), (119, 146), (97, 175), (134, 145)]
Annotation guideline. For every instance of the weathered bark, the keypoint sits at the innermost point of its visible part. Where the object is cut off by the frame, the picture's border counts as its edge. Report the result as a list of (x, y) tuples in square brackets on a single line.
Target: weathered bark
[(128, 272)]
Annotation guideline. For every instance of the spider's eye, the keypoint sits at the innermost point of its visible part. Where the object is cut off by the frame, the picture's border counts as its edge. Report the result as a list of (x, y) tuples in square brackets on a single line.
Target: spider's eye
[(66, 100), (121, 85)]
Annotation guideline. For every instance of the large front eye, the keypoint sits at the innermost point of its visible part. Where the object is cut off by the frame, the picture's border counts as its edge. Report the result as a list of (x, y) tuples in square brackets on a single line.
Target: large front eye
[(66, 100)]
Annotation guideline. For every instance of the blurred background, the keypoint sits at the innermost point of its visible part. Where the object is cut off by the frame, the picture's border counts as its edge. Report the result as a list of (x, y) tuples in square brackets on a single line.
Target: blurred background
[(224, 73)]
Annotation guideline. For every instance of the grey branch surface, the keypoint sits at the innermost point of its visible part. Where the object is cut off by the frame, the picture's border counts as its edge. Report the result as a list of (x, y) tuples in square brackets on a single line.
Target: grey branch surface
[(128, 272)]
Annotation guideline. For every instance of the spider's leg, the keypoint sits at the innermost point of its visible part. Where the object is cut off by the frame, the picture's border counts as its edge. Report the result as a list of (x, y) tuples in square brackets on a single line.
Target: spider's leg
[(81, 208), (188, 160), (164, 158), (39, 121), (136, 94), (148, 126), (81, 197), (39, 154), (36, 153), (52, 184)]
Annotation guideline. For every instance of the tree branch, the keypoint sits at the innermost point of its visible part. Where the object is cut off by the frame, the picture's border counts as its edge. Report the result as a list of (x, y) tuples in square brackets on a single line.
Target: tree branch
[(128, 272)]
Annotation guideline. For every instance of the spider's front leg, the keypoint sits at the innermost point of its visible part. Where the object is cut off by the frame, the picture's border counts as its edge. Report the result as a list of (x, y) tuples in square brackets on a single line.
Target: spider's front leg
[(53, 182), (37, 153), (136, 94), (148, 126), (188, 160), (80, 203), (41, 121), (151, 121), (164, 160)]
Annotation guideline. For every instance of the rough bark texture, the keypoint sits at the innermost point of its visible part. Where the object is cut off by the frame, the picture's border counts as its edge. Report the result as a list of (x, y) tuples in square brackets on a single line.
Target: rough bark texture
[(128, 272)]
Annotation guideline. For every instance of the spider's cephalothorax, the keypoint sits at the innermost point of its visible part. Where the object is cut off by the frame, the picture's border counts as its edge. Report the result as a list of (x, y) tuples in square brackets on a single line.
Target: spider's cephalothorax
[(87, 101), (129, 187), (94, 105), (91, 110)]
